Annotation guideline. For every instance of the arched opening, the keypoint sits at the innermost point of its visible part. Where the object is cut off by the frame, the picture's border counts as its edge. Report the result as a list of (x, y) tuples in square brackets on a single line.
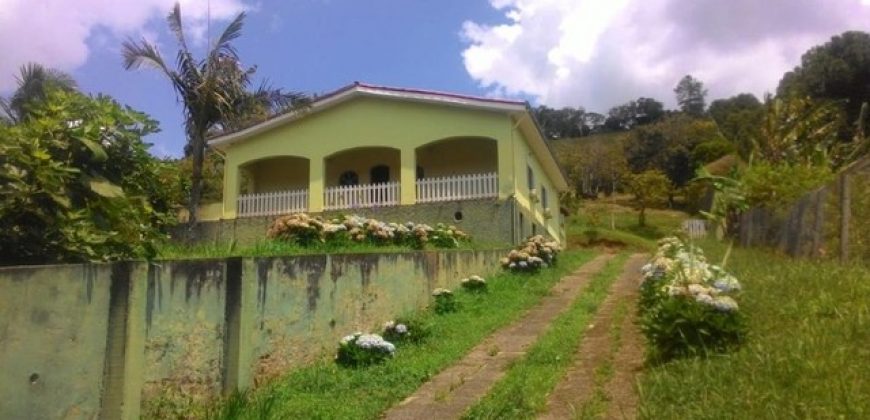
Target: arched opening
[(458, 156), (370, 164), (279, 173)]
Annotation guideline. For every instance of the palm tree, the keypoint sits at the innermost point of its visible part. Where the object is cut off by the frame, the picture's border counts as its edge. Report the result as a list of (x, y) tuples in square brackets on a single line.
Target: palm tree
[(213, 90), (34, 82)]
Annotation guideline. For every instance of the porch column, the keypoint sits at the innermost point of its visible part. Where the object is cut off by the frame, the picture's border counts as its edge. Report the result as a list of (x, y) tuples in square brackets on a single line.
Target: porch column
[(231, 189), (408, 176), (506, 161), (316, 184)]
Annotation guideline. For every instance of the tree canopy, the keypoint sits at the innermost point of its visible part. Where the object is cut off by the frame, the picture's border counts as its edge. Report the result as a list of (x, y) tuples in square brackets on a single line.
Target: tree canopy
[(691, 96)]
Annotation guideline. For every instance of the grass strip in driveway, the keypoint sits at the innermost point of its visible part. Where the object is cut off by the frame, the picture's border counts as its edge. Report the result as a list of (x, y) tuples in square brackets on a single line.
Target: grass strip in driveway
[(523, 391), (324, 390)]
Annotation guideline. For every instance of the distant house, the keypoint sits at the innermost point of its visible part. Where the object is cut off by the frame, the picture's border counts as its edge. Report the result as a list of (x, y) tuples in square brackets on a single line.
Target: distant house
[(399, 155)]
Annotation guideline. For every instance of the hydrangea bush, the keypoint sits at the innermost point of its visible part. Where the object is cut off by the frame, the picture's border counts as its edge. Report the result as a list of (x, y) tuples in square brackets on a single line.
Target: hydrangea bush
[(445, 301), (474, 284), (360, 349), (305, 230), (535, 253), (687, 305), (413, 330)]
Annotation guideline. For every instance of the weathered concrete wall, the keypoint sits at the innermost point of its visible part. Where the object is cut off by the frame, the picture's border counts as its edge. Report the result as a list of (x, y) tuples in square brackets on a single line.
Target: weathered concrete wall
[(53, 324), (88, 341), (487, 221)]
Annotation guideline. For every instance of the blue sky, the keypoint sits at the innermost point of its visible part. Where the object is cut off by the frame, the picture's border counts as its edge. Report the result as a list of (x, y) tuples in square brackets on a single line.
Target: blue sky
[(590, 53), (312, 46)]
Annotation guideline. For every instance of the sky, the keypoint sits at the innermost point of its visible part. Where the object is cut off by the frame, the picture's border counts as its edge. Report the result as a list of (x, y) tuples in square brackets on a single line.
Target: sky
[(589, 53)]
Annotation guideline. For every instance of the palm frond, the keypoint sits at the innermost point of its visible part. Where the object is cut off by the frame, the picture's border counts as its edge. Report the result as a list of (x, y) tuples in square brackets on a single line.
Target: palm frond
[(223, 47)]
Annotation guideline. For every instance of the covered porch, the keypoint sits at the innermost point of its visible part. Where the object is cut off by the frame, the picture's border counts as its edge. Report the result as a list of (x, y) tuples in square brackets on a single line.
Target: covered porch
[(450, 169)]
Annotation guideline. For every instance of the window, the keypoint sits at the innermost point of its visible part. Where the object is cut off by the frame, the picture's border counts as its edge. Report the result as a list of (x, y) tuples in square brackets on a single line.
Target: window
[(348, 178), (530, 177), (544, 202)]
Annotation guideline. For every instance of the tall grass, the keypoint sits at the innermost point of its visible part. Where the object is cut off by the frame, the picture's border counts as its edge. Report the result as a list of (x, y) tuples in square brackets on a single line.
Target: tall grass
[(523, 391), (807, 356), (324, 390)]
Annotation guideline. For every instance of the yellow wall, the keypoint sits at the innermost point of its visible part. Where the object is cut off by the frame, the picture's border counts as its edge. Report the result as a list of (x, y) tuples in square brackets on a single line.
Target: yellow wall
[(458, 156), (278, 174), (524, 158)]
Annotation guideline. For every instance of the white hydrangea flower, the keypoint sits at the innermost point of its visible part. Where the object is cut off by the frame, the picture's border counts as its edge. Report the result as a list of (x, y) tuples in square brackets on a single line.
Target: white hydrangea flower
[(725, 303)]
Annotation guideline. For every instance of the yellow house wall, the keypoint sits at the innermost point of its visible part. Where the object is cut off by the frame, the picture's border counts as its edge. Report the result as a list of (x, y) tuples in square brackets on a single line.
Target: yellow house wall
[(278, 174), (458, 156), (523, 158), (370, 122)]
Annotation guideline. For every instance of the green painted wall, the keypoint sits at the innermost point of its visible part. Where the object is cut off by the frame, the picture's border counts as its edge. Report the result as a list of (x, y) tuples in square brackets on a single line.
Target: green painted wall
[(53, 324), (131, 339)]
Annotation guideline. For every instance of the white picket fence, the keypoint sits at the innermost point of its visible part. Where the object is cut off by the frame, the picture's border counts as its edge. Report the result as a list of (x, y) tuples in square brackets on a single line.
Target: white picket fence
[(272, 203), (695, 228), (460, 187), (362, 196)]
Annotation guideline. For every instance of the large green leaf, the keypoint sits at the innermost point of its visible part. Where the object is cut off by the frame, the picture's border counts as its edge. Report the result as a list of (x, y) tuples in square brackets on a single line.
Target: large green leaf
[(95, 148), (104, 187)]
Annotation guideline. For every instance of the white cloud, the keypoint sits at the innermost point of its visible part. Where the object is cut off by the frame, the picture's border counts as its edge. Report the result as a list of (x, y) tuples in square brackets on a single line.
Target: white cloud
[(56, 33), (599, 53)]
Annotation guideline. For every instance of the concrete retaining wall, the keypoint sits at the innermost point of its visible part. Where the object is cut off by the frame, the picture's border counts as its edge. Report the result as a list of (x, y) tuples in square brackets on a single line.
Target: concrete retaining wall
[(117, 340)]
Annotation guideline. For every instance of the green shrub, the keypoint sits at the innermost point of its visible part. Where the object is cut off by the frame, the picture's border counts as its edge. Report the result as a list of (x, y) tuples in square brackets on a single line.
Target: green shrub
[(474, 284), (532, 255), (687, 306), (414, 329), (444, 301), (360, 349)]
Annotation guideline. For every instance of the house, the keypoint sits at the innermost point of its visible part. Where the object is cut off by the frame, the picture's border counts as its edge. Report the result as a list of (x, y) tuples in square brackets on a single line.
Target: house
[(397, 155)]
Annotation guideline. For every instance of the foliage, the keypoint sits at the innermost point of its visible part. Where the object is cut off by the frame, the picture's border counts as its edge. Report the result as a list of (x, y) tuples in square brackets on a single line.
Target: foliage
[(305, 230), (798, 131), (411, 329), (650, 188), (687, 305), (475, 284), (532, 255), (729, 201), (711, 150), (838, 70), (805, 355), (214, 90), (79, 184), (35, 82), (212, 177), (778, 185), (594, 167), (444, 301), (360, 349), (562, 123), (691, 96), (668, 146), (739, 118), (634, 113)]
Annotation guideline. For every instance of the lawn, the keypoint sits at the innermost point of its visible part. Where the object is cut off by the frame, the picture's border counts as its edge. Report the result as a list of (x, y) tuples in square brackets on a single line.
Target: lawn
[(612, 222), (807, 355), (324, 390)]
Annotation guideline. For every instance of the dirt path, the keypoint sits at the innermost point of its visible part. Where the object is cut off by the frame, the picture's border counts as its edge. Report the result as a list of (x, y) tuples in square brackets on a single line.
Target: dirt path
[(579, 384), (450, 393)]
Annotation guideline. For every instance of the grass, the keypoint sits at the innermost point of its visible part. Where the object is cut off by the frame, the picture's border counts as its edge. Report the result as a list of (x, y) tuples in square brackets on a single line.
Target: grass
[(807, 355), (324, 390), (597, 405), (271, 248), (603, 222), (523, 391)]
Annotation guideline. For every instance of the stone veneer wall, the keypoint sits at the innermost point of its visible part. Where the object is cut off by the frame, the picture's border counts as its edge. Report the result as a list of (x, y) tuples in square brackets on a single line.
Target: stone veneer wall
[(113, 340), (487, 221)]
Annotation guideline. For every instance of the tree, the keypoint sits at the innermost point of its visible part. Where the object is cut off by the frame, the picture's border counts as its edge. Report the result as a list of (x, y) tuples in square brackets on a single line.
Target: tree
[(691, 96), (77, 183), (634, 113), (837, 70), (561, 123), (34, 82), (668, 146), (213, 90), (650, 188), (739, 119)]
